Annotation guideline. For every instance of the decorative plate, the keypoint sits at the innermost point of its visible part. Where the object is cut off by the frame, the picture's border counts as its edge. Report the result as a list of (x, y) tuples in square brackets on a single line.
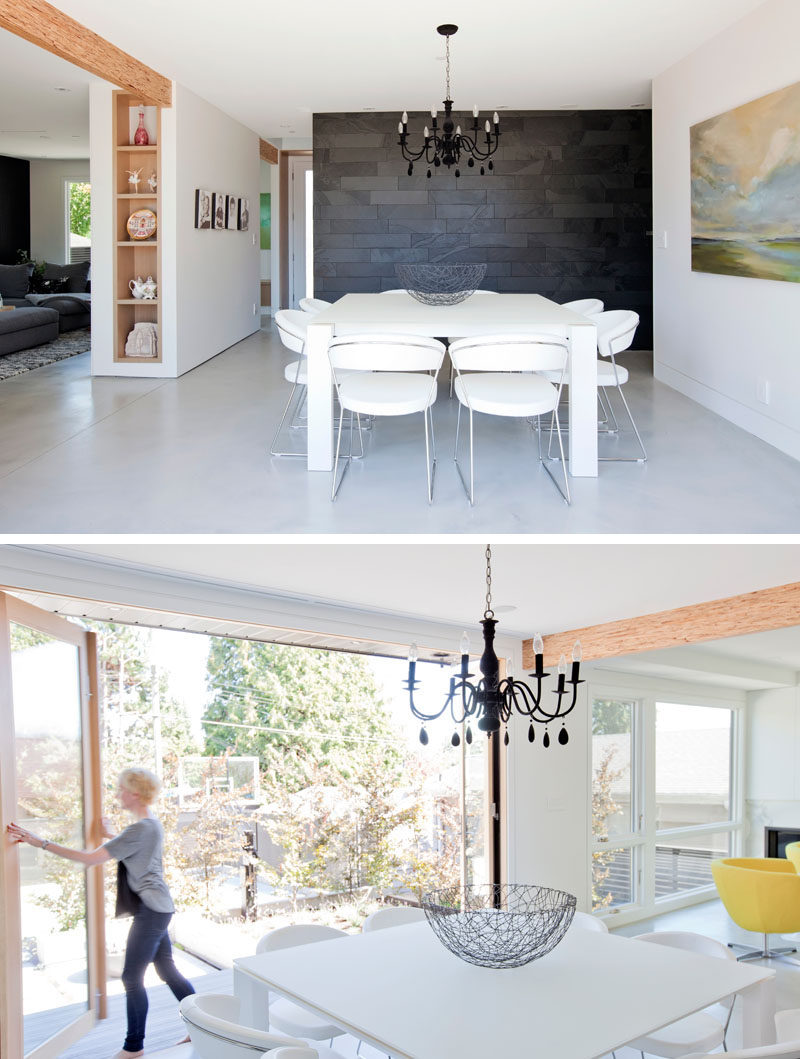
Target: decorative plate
[(141, 224)]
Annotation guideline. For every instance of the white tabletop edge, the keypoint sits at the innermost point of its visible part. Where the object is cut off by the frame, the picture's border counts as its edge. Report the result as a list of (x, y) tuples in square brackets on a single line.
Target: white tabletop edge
[(729, 977)]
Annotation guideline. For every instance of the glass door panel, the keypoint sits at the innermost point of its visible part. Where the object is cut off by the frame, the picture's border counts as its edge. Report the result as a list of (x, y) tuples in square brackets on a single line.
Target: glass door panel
[(48, 758)]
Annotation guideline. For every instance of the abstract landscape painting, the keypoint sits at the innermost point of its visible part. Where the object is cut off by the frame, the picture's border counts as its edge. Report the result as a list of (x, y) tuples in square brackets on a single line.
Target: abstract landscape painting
[(746, 189)]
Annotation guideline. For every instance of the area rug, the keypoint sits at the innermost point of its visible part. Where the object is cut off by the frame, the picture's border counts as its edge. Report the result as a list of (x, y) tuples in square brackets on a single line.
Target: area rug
[(70, 344)]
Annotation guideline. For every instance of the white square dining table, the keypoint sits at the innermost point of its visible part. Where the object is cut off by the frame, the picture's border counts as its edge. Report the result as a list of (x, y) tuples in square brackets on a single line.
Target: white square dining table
[(477, 315), (400, 990)]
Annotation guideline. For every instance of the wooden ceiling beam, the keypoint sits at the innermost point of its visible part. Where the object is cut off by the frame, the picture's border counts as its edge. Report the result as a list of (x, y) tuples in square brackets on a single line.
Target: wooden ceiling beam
[(268, 152), (47, 27), (769, 608)]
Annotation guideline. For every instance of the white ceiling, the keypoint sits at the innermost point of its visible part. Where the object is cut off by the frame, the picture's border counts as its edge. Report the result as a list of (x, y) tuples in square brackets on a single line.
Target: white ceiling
[(272, 65), (37, 118), (552, 586)]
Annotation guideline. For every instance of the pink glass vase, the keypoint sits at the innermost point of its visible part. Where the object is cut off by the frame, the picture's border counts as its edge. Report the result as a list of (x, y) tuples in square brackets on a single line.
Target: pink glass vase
[(140, 137)]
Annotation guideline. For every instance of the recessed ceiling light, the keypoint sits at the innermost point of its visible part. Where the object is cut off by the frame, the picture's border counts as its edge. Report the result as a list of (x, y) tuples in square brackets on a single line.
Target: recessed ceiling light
[(634, 105), (367, 108), (62, 89), (505, 608), (43, 137), (568, 106)]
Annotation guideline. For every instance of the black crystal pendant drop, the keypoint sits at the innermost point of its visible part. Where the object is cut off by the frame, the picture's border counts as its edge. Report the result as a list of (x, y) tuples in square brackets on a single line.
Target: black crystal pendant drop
[(410, 168), (491, 165), (458, 173), (437, 161), (563, 737), (546, 739), (505, 738), (423, 736), (470, 162), (429, 174), (483, 171), (454, 739), (531, 733), (468, 734)]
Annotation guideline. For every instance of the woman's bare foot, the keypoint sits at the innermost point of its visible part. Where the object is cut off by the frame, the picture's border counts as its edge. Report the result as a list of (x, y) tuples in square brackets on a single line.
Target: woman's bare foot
[(127, 1055), (186, 1040)]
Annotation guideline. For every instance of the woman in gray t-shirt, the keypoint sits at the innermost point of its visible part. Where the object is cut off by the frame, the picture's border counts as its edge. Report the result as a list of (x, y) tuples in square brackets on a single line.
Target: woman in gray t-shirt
[(138, 848)]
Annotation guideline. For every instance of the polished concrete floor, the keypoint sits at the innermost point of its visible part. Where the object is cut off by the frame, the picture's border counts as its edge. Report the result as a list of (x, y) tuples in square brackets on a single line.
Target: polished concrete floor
[(191, 455)]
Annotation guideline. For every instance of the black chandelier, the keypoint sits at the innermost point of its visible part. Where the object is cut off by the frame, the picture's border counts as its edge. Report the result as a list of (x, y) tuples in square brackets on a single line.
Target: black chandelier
[(447, 147), (491, 701)]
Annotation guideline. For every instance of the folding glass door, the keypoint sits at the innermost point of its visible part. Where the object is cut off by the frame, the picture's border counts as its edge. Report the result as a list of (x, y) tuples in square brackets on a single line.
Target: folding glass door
[(52, 966)]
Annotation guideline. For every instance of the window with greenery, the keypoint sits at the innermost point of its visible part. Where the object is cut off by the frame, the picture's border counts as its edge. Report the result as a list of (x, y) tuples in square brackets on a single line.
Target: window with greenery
[(79, 205), (664, 802)]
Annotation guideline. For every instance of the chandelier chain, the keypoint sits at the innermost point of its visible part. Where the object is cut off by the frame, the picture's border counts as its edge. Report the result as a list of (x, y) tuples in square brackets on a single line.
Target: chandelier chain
[(447, 53), (488, 613)]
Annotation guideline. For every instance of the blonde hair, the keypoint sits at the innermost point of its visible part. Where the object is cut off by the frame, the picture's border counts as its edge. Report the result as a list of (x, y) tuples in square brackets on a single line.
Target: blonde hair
[(142, 782)]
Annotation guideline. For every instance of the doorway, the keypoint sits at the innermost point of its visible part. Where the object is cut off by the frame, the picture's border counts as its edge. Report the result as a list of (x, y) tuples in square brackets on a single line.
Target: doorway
[(52, 970), (301, 231)]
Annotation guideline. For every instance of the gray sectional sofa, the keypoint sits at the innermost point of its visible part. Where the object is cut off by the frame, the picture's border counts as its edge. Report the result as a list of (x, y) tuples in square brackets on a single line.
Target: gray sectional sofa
[(63, 289)]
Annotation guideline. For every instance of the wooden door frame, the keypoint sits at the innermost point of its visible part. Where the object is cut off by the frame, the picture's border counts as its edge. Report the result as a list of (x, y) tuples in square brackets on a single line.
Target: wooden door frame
[(283, 220), (11, 1020)]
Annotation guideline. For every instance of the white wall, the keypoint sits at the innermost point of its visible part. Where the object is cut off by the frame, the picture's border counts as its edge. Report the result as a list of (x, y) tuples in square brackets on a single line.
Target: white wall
[(215, 274), (48, 205), (773, 763), (101, 174), (715, 336), (209, 281)]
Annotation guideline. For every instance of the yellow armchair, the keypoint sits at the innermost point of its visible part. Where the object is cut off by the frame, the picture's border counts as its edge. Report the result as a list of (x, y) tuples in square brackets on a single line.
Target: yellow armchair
[(793, 854), (761, 894)]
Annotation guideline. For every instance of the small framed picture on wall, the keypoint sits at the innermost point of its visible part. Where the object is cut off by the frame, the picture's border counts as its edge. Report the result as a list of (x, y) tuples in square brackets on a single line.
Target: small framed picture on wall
[(218, 208), (233, 211), (202, 208), (244, 215)]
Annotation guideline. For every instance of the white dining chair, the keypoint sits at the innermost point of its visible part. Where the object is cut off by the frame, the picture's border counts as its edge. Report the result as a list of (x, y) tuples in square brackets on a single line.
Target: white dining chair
[(701, 1031), (498, 375), (455, 338), (392, 916), (213, 1023), (615, 331), (584, 306), (292, 325), (314, 305), (285, 1015), (385, 375), (583, 921), (787, 1050)]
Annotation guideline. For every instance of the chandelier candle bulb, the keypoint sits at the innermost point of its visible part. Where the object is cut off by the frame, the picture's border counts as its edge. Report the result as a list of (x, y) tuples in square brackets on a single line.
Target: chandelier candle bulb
[(405, 117), (496, 119), (425, 132), (475, 111), (577, 654)]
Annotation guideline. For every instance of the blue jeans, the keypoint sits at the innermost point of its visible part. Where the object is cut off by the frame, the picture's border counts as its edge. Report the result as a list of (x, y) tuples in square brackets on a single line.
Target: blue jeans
[(148, 942)]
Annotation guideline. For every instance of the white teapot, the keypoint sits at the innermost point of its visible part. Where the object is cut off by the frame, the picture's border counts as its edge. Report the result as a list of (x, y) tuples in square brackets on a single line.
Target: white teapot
[(137, 287), (149, 288)]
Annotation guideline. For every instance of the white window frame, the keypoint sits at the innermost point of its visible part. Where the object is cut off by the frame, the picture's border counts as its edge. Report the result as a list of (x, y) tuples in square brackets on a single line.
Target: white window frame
[(67, 232), (646, 692)]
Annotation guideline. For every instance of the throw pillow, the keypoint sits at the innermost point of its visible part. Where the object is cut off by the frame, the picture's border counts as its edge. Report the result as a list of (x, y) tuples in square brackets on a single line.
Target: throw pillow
[(41, 285), (15, 280), (76, 275)]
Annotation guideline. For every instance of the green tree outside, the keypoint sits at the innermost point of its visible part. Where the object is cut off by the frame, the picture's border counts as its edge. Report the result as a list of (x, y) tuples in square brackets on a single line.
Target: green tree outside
[(80, 204)]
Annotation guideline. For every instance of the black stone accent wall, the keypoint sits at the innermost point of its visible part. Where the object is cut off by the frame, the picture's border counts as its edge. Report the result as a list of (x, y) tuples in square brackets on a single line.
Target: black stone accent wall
[(15, 208), (566, 213)]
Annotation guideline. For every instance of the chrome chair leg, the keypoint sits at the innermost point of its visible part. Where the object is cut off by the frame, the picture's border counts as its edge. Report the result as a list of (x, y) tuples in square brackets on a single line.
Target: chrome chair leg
[(555, 426), (274, 451), (430, 465), (468, 489)]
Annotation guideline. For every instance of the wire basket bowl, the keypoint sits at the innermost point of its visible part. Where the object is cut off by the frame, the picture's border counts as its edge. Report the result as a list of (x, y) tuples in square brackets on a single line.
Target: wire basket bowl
[(440, 284), (494, 925)]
